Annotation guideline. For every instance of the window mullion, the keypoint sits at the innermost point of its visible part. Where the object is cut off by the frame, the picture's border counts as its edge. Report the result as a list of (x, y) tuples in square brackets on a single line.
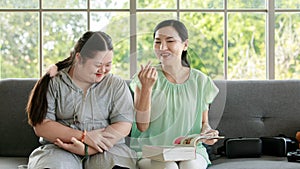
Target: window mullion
[(88, 15), (225, 40), (133, 39), (41, 58), (270, 40)]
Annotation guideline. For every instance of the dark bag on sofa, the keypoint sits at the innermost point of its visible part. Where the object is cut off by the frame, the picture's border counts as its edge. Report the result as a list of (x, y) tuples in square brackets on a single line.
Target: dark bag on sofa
[(278, 146), (241, 147)]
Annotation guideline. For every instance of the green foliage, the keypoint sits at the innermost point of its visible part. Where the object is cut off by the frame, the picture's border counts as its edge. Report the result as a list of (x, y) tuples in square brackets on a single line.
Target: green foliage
[(20, 45), (61, 31), (290, 4), (16, 4), (240, 4), (65, 4), (246, 46), (156, 4), (205, 42), (207, 4), (287, 43), (109, 4)]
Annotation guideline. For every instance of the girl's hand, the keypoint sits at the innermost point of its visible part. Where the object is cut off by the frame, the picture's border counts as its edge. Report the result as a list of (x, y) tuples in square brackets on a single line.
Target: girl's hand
[(147, 75), (76, 146)]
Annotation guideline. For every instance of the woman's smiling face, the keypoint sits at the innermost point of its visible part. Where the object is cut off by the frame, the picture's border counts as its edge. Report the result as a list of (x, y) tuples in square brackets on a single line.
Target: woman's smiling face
[(168, 45)]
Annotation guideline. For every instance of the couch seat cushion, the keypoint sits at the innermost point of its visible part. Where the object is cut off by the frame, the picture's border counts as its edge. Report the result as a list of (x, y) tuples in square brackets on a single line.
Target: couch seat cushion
[(264, 162)]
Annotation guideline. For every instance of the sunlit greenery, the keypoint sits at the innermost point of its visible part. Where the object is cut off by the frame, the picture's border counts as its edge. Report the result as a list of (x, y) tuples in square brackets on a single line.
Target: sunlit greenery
[(290, 4), (206, 37), (16, 4), (207, 4), (246, 46), (287, 48), (156, 4), (60, 32), (19, 45), (21, 48), (61, 4), (239, 4)]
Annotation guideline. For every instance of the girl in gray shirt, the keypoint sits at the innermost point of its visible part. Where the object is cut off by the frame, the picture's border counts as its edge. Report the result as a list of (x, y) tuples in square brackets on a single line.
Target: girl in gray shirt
[(83, 114)]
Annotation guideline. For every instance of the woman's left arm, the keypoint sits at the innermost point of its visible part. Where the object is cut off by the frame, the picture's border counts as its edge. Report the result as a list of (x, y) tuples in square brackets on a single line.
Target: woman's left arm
[(207, 130), (119, 130)]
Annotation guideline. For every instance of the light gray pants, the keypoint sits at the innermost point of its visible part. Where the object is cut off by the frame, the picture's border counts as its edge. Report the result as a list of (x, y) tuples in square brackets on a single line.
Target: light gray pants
[(52, 157), (198, 163)]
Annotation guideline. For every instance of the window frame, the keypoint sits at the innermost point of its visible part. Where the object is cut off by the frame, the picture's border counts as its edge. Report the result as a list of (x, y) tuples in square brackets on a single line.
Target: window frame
[(133, 10)]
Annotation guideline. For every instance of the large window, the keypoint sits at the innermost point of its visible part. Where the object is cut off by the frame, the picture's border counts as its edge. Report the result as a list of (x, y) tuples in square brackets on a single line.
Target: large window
[(228, 39)]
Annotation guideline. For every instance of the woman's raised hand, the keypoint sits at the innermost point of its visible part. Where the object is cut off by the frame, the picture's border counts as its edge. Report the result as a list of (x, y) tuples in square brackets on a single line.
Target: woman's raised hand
[(147, 75)]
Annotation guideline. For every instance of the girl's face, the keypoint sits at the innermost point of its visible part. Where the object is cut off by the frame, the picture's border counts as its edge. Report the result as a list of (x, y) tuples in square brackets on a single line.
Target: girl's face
[(168, 45), (95, 69)]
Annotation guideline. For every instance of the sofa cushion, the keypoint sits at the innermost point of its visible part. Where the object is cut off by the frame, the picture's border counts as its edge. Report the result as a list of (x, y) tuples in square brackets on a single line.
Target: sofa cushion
[(19, 138), (255, 108), (12, 162), (264, 162)]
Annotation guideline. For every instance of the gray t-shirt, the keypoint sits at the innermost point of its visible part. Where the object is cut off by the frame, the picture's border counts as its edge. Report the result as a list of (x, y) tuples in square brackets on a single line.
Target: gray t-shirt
[(106, 102)]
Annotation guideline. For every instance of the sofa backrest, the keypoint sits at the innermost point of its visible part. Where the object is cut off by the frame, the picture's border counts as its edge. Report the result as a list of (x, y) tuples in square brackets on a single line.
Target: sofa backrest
[(17, 136), (256, 108), (241, 109)]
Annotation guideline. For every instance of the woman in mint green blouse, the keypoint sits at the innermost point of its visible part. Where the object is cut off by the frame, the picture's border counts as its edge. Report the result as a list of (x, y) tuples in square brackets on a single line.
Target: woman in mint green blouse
[(171, 99)]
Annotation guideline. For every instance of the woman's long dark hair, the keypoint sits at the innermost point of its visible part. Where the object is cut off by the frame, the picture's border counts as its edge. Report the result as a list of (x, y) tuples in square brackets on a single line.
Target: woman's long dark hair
[(89, 43), (182, 32)]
